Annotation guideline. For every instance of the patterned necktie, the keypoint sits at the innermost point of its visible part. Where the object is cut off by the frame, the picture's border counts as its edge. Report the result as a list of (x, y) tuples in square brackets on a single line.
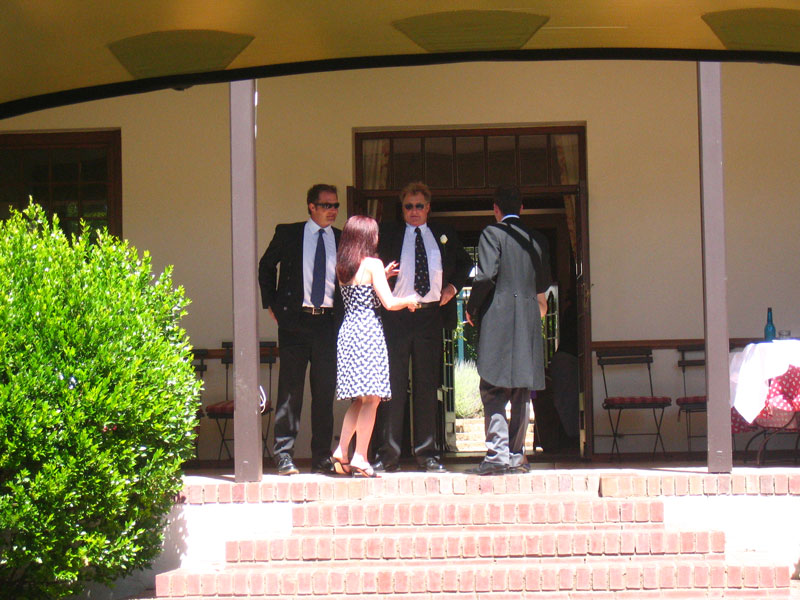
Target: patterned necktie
[(422, 282), (318, 280)]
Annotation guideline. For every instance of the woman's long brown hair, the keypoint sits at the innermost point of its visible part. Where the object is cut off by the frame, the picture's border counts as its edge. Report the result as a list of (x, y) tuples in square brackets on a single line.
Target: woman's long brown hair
[(359, 240)]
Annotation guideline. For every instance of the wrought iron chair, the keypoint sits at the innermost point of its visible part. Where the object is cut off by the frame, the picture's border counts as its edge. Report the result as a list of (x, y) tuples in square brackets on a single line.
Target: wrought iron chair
[(636, 357), (222, 412), (691, 356)]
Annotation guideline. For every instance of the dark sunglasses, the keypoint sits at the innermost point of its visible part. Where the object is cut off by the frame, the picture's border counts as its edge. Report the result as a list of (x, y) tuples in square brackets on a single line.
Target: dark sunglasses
[(327, 205), (413, 206)]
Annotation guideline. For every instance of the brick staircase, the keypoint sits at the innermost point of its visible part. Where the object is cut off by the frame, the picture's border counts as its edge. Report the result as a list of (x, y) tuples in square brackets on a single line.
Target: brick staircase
[(414, 536)]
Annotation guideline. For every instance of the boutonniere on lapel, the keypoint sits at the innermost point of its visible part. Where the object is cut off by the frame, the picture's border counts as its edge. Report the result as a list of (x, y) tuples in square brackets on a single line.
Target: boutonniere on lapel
[(443, 239)]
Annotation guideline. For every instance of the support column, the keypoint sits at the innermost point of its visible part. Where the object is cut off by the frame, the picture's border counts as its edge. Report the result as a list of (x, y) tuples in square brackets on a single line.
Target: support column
[(247, 414), (715, 298)]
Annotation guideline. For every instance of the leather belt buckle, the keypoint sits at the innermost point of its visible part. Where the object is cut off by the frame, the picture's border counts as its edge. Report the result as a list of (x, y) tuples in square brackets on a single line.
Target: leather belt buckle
[(424, 305), (312, 310)]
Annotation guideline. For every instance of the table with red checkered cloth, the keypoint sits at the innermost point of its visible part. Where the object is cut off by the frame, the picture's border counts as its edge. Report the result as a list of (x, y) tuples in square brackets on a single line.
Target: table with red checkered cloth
[(765, 385)]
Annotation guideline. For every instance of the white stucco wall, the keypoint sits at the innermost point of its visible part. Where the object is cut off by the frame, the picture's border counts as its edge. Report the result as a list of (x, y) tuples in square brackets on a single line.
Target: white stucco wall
[(643, 181)]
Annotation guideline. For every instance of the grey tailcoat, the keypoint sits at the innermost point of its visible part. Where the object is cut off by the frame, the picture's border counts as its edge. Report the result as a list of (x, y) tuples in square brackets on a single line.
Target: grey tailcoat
[(503, 297)]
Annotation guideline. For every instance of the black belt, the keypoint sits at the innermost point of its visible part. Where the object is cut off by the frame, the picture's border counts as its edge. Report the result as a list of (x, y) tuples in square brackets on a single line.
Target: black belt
[(424, 305), (324, 310)]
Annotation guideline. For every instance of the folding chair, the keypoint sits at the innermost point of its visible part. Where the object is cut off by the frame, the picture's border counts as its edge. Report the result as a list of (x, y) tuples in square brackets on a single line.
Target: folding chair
[(691, 356), (611, 357), (222, 412), (200, 368)]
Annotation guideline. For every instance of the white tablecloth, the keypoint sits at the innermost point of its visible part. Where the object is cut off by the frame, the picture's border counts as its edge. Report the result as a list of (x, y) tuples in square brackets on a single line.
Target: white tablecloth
[(751, 370)]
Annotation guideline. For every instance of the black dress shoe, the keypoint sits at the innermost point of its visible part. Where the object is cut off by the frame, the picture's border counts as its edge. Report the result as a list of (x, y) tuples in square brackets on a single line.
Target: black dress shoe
[(487, 468), (286, 465), (324, 466), (380, 467), (432, 465)]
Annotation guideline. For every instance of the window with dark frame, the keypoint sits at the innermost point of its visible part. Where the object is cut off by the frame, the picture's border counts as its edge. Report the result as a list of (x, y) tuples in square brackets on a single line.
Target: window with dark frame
[(73, 174), (465, 163)]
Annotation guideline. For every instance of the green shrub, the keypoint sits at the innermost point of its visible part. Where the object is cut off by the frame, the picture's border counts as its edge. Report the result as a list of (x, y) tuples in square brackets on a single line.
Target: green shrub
[(98, 404), (468, 397)]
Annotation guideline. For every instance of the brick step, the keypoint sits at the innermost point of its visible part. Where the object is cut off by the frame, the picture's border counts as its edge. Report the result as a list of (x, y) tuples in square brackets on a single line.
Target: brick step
[(311, 488), (522, 541), (465, 510), (665, 578)]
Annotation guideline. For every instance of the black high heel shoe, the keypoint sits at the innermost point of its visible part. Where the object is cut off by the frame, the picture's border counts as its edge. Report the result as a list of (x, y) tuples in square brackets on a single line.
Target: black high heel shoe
[(340, 467)]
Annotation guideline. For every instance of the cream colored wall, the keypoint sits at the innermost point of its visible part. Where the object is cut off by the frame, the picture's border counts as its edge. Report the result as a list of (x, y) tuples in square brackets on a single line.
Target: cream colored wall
[(644, 214), (762, 195)]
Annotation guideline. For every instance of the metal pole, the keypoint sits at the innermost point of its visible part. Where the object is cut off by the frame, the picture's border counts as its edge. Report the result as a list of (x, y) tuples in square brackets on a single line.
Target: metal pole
[(715, 299), (247, 416)]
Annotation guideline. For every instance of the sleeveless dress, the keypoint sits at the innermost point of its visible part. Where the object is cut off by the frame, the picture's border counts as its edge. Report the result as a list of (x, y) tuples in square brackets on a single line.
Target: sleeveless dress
[(362, 363)]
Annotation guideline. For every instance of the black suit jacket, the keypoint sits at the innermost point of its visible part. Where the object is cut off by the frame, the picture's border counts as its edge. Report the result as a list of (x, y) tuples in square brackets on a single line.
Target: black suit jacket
[(456, 263), (284, 293)]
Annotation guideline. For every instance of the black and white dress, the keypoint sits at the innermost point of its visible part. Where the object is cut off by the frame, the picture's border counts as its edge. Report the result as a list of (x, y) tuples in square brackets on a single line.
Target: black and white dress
[(362, 363)]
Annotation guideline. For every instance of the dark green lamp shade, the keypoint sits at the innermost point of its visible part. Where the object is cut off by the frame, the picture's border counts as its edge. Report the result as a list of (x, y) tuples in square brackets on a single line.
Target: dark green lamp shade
[(176, 52), (471, 30)]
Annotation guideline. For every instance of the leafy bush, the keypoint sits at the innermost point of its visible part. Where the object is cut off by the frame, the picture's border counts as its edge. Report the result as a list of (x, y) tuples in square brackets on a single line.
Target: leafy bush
[(468, 396), (97, 407)]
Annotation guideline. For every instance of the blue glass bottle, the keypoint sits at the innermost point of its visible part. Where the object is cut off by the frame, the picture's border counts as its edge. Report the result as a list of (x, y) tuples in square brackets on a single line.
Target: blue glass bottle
[(769, 328)]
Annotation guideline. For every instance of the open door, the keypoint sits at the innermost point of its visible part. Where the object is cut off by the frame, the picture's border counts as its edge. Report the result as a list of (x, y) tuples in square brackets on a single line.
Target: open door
[(583, 293)]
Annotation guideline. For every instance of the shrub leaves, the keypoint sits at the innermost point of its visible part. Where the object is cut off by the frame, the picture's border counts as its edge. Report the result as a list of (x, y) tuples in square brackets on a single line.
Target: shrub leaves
[(98, 404)]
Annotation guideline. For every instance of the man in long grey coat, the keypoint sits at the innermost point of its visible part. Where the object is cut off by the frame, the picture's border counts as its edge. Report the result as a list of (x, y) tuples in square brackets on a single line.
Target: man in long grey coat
[(508, 302)]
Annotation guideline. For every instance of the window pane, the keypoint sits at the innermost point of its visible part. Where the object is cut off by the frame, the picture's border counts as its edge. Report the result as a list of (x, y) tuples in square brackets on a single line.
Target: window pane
[(65, 193), (407, 160), (565, 159), (97, 210), (95, 192), (469, 161), (67, 210), (502, 160), (533, 159), (375, 161), (94, 166), (35, 165), (9, 167), (12, 194), (66, 164), (40, 194), (439, 162), (70, 226)]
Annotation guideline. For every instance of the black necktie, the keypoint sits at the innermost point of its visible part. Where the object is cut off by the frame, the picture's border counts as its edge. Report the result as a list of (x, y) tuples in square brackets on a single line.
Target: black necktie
[(318, 280), (422, 282)]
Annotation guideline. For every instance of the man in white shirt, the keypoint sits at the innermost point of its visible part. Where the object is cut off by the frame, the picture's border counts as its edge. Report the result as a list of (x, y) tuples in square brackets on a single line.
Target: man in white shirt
[(434, 265), (306, 302)]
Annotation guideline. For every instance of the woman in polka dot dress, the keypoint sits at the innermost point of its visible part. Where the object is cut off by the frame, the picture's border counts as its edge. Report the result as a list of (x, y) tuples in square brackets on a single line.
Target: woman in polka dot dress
[(362, 365)]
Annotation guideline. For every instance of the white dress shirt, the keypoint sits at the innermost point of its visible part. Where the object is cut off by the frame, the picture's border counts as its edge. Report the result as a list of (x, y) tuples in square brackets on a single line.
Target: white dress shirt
[(405, 278), (309, 251)]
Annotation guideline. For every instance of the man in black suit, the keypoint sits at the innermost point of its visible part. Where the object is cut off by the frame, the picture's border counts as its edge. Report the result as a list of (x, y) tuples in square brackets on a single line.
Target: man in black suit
[(306, 302), (508, 302), (434, 264)]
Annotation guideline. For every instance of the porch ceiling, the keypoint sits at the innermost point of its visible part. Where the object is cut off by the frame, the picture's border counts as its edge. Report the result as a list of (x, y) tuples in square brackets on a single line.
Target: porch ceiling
[(54, 53)]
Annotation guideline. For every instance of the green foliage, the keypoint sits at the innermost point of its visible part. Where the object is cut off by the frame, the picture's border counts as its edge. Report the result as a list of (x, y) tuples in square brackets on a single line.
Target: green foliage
[(98, 404), (469, 338), (468, 397)]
